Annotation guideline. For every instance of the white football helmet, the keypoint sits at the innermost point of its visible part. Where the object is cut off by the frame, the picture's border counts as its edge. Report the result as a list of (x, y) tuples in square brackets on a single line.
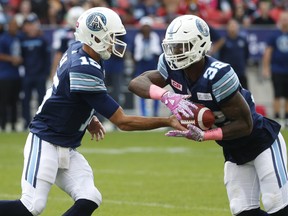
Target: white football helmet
[(98, 28), (187, 40)]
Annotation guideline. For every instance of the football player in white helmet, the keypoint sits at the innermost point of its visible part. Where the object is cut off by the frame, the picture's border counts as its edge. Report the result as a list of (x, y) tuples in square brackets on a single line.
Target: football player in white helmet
[(101, 32), (187, 41), (67, 111), (254, 149)]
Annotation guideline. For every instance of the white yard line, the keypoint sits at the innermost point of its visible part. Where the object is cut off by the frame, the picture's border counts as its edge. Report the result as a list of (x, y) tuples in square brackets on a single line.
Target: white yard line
[(123, 202)]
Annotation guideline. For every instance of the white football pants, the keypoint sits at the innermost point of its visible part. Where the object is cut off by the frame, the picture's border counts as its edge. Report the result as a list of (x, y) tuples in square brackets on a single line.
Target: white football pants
[(46, 164), (265, 176)]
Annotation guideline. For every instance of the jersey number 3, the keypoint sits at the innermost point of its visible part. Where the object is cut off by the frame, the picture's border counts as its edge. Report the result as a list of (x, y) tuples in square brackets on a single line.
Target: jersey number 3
[(213, 69)]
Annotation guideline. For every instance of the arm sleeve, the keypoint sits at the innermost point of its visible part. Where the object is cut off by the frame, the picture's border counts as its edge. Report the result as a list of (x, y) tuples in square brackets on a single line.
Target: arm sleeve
[(84, 82), (225, 84), (162, 67), (102, 103)]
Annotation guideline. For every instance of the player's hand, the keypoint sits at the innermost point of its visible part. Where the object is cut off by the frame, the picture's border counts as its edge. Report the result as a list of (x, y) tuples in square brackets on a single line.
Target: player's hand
[(175, 123), (193, 133), (96, 129), (178, 104)]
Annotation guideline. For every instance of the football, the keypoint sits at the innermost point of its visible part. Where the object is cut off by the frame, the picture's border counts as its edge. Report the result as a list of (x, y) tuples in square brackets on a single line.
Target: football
[(203, 118)]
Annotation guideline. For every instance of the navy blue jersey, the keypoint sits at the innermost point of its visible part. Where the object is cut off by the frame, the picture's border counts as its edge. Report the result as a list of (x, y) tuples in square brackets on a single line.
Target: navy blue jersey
[(235, 51), (8, 70), (218, 84), (279, 43), (78, 91), (36, 56)]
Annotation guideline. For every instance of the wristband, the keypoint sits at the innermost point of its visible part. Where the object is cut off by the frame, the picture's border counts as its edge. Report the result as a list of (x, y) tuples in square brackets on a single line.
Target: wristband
[(214, 134), (156, 92)]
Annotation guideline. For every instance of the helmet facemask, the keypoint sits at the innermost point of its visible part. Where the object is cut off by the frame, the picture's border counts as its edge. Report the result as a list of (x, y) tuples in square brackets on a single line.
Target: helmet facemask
[(181, 54), (184, 43), (110, 41)]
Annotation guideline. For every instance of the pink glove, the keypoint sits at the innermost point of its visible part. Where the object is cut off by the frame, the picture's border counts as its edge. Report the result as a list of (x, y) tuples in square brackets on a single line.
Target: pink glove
[(177, 104), (195, 133)]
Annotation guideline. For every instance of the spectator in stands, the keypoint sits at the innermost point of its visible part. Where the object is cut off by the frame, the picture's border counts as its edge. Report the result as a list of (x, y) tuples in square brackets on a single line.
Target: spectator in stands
[(56, 12), (10, 82), (216, 38), (64, 36), (146, 8), (262, 16), (36, 61), (3, 21), (25, 9), (125, 10), (275, 64), (40, 8), (170, 9), (93, 3), (114, 75), (279, 6), (216, 13), (241, 15), (235, 51), (146, 52)]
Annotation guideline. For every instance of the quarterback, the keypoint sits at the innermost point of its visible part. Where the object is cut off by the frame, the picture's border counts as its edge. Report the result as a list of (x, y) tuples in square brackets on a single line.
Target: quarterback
[(78, 91), (253, 147)]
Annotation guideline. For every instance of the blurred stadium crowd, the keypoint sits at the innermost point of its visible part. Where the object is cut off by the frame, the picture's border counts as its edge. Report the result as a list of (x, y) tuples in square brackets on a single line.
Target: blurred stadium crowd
[(215, 12), (45, 21)]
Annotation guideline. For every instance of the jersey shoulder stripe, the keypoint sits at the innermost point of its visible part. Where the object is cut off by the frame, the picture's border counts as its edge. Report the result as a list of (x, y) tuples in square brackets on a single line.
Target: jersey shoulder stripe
[(162, 67), (226, 86), (80, 82)]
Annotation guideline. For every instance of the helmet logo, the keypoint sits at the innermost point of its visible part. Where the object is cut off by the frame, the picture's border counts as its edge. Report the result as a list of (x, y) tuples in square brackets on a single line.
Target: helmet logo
[(95, 21), (202, 27)]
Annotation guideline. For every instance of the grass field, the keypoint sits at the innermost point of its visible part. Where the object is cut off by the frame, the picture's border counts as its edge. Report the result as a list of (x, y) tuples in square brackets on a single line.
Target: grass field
[(138, 174)]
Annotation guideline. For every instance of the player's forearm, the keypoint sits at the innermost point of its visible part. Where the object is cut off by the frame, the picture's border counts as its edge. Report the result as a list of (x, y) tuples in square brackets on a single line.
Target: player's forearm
[(142, 123), (237, 129), (140, 86)]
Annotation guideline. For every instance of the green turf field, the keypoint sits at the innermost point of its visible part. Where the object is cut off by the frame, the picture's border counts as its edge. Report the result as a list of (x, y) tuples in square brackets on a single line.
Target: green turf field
[(138, 174)]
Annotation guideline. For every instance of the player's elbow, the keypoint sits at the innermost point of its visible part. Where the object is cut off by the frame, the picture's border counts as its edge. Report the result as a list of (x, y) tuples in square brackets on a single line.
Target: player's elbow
[(247, 127), (132, 85), (123, 127)]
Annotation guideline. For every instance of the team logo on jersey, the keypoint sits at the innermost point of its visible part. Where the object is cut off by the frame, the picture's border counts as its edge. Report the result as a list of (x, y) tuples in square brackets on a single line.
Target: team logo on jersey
[(282, 43), (95, 21), (202, 27), (176, 85)]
